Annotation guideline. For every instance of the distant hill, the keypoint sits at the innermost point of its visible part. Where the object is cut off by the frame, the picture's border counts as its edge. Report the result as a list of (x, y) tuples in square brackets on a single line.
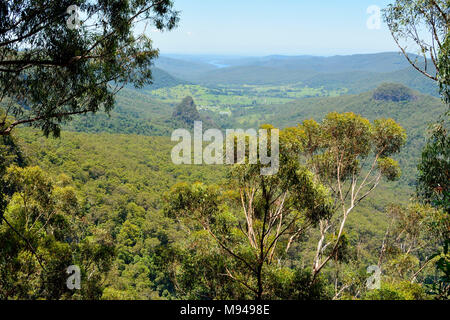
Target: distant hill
[(135, 112), (186, 112), (378, 62), (162, 79), (393, 92), (362, 81), (253, 74)]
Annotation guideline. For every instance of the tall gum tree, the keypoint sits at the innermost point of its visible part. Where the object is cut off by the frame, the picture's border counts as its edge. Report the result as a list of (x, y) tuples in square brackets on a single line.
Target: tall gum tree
[(421, 27), (350, 156), (50, 72), (254, 219)]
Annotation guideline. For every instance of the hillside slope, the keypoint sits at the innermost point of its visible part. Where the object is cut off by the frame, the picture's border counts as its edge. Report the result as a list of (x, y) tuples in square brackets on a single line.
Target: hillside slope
[(162, 79), (135, 113)]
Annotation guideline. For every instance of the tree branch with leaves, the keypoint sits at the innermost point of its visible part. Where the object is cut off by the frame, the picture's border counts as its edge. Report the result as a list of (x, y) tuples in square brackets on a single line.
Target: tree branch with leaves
[(350, 156), (49, 72)]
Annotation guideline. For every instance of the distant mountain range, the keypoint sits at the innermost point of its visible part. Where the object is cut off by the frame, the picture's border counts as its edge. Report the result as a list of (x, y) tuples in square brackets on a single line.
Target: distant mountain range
[(356, 73)]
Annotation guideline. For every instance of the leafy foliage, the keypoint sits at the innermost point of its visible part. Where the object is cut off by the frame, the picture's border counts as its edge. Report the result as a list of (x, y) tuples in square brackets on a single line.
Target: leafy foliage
[(407, 20), (42, 234), (51, 72), (120, 180), (336, 151), (254, 226), (434, 169)]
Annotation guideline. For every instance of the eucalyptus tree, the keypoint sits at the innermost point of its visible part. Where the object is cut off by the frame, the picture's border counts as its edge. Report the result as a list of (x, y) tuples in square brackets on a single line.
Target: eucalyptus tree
[(350, 156), (254, 220), (434, 169), (42, 234), (63, 58), (10, 154), (426, 25), (421, 27), (413, 234)]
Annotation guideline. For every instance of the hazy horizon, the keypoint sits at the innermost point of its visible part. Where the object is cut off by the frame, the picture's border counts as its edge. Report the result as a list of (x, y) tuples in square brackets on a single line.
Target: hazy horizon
[(263, 55)]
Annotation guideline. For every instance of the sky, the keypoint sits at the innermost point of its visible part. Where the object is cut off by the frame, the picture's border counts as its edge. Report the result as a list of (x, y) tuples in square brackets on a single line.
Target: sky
[(265, 27)]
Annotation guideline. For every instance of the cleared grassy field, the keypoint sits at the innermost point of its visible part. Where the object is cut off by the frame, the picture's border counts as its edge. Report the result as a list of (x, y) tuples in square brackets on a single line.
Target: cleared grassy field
[(219, 99)]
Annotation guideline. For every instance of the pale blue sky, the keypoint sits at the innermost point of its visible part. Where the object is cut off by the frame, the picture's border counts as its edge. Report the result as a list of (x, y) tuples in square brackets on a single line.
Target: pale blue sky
[(263, 27)]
